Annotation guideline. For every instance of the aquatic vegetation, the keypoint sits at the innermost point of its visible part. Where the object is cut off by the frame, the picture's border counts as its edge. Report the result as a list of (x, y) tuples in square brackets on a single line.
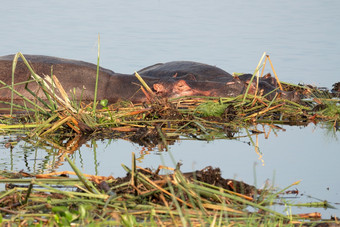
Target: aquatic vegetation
[(143, 197), (58, 113), (211, 109)]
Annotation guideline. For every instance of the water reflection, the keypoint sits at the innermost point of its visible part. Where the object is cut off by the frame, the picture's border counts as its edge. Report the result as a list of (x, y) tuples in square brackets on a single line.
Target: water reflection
[(47, 154)]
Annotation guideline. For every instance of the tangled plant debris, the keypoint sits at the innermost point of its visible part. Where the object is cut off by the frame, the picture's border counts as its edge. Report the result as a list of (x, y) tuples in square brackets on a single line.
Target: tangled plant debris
[(167, 117), (202, 197)]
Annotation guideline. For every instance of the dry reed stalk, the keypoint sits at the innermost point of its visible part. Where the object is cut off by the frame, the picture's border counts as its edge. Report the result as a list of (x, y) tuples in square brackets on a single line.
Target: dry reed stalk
[(57, 125), (256, 73), (313, 215), (217, 207), (277, 79), (63, 93), (152, 94), (264, 111), (124, 129), (51, 175), (146, 94), (263, 66), (137, 112), (164, 191)]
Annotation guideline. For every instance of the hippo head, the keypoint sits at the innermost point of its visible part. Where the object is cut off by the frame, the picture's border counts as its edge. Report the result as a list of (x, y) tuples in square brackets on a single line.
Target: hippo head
[(179, 88)]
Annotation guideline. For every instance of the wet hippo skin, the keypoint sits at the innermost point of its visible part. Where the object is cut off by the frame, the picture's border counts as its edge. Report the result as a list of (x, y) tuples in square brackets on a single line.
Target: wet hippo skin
[(72, 74), (201, 77), (172, 79), (186, 70)]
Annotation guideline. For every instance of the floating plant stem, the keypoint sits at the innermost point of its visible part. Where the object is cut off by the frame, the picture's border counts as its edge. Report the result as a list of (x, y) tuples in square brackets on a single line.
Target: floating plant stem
[(97, 79)]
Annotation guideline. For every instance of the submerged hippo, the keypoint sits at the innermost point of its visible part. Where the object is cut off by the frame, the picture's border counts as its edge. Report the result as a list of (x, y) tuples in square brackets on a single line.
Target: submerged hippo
[(173, 79)]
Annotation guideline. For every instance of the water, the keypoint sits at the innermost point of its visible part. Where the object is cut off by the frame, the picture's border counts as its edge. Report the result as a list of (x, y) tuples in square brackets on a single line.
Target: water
[(300, 36), (310, 154)]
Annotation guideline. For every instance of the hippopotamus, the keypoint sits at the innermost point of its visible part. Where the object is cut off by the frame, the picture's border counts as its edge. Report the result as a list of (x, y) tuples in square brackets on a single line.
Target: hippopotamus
[(170, 80)]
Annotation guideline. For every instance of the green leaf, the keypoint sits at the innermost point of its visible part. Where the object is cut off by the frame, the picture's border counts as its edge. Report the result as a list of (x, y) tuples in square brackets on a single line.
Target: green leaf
[(82, 212), (104, 102)]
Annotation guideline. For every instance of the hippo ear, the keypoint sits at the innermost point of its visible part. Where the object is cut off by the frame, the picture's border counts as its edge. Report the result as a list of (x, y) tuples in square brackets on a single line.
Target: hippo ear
[(191, 76), (268, 75), (181, 85), (158, 88), (236, 78)]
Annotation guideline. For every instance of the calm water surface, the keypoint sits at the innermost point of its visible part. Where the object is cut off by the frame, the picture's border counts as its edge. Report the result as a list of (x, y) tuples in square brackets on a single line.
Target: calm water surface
[(302, 38), (310, 154)]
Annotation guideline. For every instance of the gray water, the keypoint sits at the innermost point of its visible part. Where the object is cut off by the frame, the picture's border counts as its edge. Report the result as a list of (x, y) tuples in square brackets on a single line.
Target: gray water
[(301, 37)]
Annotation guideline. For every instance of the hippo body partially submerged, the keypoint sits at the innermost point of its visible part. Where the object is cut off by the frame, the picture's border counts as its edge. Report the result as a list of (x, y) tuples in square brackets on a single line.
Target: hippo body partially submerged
[(173, 79), (75, 76)]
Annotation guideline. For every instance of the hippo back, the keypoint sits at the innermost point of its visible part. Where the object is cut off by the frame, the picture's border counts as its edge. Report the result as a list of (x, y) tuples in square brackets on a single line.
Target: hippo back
[(72, 74), (186, 70)]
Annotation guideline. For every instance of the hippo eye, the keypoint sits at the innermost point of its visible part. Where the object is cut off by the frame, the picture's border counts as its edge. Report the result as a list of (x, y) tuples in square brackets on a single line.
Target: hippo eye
[(181, 85)]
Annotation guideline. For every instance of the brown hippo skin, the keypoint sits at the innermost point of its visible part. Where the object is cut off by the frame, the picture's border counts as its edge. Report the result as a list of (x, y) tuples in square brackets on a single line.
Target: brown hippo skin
[(191, 78), (72, 74), (172, 79), (186, 70)]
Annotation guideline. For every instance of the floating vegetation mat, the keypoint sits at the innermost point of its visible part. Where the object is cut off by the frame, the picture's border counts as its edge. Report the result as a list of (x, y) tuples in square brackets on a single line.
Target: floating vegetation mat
[(143, 198), (162, 121)]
